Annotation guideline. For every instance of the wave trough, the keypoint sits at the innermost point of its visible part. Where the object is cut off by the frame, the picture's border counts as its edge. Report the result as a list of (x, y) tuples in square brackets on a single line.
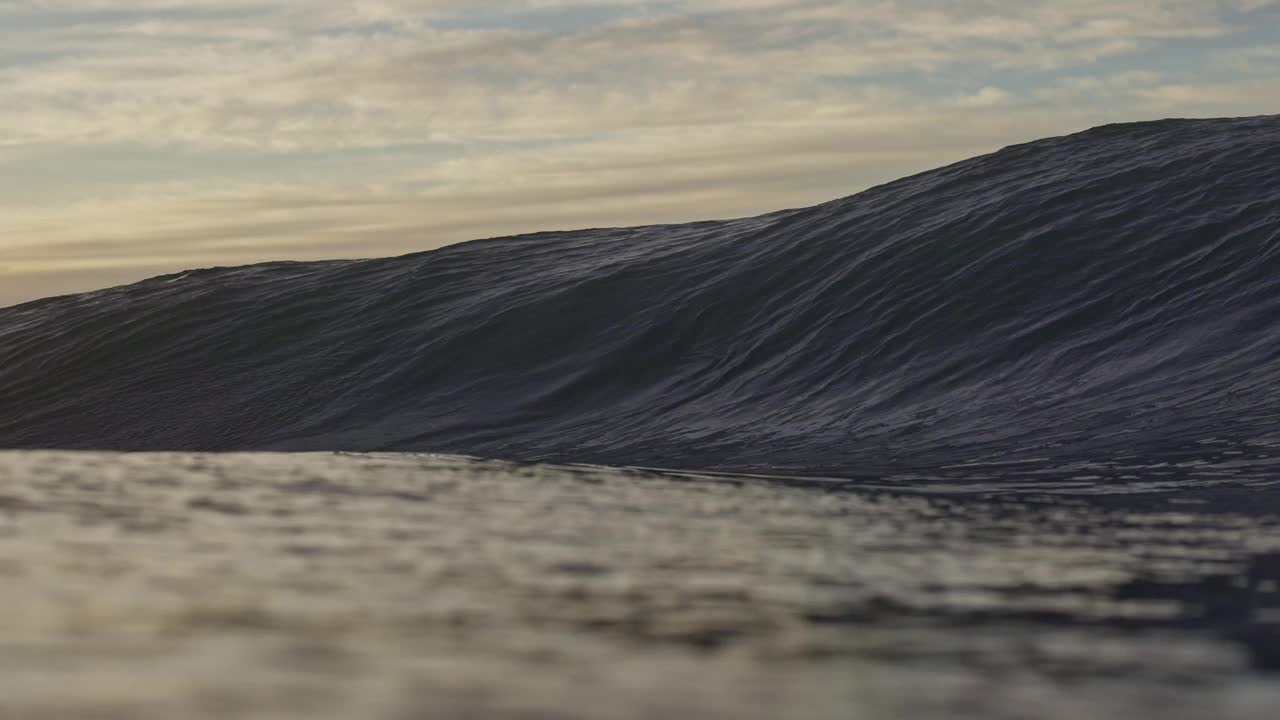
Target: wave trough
[(1103, 298)]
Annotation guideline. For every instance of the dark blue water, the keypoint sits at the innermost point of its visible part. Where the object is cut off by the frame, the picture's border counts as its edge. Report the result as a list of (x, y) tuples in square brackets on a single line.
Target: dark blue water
[(1098, 308)]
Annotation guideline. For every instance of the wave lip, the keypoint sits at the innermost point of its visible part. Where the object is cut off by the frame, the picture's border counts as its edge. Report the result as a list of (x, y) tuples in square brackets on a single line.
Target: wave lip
[(1108, 298)]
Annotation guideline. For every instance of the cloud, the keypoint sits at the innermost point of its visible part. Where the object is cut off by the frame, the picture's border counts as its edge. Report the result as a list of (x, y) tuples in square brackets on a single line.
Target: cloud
[(1264, 59), (985, 97), (1253, 94), (278, 129), (275, 75)]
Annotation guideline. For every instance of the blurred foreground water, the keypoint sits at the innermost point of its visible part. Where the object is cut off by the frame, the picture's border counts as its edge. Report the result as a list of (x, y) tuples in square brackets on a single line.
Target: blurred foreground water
[(412, 586)]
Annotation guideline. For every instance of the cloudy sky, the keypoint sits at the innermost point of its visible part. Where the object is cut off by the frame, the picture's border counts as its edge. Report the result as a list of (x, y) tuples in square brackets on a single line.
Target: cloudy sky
[(149, 136)]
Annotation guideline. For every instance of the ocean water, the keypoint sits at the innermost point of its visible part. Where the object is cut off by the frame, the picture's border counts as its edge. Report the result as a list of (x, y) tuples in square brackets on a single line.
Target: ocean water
[(1107, 299), (1001, 439), (396, 586)]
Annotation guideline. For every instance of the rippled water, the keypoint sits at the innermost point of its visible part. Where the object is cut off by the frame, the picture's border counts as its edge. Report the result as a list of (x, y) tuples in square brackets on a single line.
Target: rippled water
[(396, 586)]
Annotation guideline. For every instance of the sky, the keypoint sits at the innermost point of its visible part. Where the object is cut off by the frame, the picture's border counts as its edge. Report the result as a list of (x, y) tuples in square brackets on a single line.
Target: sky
[(150, 136)]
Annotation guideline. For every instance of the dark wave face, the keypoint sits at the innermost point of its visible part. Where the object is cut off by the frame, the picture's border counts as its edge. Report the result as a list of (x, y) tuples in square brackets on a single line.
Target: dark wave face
[(1093, 304)]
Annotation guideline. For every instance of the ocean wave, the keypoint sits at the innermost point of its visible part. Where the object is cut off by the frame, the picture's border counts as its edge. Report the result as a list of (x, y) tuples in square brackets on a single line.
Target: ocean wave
[(1106, 299)]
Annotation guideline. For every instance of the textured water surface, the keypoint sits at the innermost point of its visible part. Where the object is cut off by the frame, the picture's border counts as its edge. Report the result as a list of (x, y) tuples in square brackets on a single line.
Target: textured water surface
[(403, 586), (1019, 418), (1110, 297)]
